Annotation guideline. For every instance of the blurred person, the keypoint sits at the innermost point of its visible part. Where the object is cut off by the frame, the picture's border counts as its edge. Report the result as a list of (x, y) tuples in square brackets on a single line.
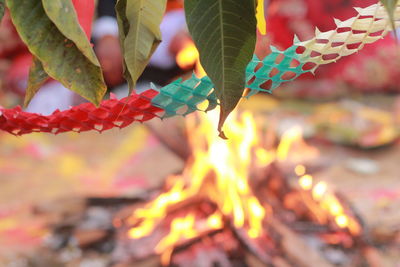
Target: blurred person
[(106, 40)]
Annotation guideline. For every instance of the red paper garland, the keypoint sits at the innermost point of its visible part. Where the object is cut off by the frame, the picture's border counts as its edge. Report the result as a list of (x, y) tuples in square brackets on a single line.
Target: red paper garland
[(85, 117)]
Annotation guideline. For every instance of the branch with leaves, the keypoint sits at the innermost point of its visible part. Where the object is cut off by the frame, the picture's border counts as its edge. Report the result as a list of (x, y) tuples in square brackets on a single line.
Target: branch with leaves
[(224, 32)]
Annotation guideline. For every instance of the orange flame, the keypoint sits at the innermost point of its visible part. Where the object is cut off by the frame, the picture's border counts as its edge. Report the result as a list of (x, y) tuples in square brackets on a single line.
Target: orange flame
[(293, 148), (218, 172), (189, 57), (328, 201)]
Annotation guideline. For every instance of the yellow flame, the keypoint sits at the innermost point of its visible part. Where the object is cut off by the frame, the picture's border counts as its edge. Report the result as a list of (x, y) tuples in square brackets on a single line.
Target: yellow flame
[(293, 148), (215, 221), (144, 229), (264, 157), (288, 138), (306, 182), (319, 190), (300, 170), (154, 211), (342, 221), (218, 171), (165, 257), (335, 208), (331, 204), (189, 57), (199, 70), (181, 228)]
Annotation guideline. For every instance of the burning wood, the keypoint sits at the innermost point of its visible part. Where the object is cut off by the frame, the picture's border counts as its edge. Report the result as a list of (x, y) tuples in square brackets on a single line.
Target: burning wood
[(219, 174)]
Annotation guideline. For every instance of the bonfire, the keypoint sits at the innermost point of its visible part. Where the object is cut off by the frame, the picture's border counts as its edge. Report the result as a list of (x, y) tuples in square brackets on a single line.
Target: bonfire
[(237, 190)]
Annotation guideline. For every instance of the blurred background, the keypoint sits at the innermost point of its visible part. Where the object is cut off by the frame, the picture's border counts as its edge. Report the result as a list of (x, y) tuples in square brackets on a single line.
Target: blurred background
[(60, 195)]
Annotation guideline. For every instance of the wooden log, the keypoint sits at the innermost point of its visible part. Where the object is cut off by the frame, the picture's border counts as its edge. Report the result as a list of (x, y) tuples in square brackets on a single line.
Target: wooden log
[(295, 249), (114, 201), (252, 247), (86, 238)]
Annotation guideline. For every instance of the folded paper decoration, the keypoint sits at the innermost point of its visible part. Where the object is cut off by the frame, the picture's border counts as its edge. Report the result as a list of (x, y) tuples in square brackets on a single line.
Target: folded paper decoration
[(371, 24), (85, 117), (183, 97)]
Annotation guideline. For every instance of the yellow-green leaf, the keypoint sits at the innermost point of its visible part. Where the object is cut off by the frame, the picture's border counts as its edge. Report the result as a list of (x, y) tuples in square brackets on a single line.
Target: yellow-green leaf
[(37, 77), (139, 25), (225, 34), (62, 14), (61, 58)]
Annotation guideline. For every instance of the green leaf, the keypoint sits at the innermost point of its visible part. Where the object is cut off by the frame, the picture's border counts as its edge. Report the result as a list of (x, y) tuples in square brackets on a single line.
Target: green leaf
[(123, 29), (224, 32), (62, 59), (62, 14), (2, 8), (139, 24), (37, 77), (390, 6)]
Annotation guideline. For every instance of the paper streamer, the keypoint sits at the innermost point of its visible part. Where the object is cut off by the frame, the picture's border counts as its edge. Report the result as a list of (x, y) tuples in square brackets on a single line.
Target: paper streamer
[(85, 117), (369, 25), (181, 98), (267, 74), (177, 98)]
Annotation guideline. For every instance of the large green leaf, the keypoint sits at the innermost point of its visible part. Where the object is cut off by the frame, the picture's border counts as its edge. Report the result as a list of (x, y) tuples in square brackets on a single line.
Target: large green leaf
[(62, 14), (139, 24), (37, 77), (62, 59), (390, 6), (225, 34)]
